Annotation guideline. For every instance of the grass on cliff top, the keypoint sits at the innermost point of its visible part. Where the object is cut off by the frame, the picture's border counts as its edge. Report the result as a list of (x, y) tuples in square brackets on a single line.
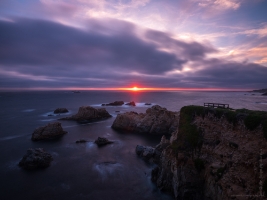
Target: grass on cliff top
[(190, 136)]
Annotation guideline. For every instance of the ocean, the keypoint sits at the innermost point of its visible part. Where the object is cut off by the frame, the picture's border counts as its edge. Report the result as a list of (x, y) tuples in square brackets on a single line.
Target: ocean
[(84, 171)]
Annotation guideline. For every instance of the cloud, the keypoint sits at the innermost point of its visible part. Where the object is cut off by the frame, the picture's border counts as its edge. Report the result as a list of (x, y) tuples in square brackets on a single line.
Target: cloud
[(220, 4), (112, 53)]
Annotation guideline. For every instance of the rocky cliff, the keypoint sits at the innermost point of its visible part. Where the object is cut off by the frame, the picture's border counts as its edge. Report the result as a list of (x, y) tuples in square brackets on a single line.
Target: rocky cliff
[(156, 120), (214, 154)]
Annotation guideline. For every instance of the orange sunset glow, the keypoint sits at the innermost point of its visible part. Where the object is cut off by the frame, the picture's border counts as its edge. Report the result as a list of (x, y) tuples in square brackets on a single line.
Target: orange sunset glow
[(133, 89)]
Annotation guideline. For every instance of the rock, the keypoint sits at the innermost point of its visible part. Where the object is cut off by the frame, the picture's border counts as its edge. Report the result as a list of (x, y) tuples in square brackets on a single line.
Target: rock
[(50, 115), (145, 152), (87, 114), (132, 103), (265, 94), (156, 120), (117, 111), (35, 158), (100, 141), (50, 131), (115, 103), (148, 104), (81, 141), (61, 110)]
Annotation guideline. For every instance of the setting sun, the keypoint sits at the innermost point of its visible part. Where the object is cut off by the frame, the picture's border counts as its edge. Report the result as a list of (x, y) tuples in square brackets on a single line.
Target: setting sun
[(135, 88)]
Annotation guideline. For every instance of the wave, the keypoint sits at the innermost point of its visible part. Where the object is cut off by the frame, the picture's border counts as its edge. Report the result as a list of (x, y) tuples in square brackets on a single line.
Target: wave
[(28, 110)]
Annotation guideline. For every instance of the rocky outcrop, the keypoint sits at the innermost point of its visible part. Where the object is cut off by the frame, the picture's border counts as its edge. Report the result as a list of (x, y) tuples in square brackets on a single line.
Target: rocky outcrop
[(156, 120), (48, 132), (115, 103), (226, 164), (87, 114), (145, 152), (265, 94), (35, 158), (100, 141), (152, 154), (132, 103), (61, 110)]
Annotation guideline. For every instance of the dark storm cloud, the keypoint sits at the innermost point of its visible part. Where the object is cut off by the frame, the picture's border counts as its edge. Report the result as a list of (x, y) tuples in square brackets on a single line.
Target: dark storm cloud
[(110, 53), (42, 43)]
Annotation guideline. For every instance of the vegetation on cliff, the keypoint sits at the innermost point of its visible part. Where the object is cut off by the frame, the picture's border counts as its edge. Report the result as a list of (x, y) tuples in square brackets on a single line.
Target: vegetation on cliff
[(191, 137)]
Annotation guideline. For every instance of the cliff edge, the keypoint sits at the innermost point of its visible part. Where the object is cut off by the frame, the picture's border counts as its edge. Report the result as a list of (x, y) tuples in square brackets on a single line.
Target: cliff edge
[(214, 154)]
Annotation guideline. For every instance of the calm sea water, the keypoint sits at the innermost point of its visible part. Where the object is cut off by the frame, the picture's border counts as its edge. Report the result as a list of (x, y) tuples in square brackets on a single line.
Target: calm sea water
[(84, 171)]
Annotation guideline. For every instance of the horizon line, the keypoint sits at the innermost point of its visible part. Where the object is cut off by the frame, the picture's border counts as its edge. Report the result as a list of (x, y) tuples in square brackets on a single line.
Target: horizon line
[(134, 89)]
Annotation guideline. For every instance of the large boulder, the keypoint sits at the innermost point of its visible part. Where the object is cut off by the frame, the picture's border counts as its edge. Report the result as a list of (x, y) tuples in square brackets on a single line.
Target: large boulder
[(115, 103), (50, 131), (35, 158), (132, 103), (61, 110), (100, 141), (88, 113), (156, 120)]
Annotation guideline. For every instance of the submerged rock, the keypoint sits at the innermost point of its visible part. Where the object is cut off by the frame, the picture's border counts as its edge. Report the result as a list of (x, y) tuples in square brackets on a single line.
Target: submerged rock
[(81, 141), (100, 141), (50, 131), (61, 110), (148, 104), (156, 120), (132, 103), (115, 103), (88, 113), (35, 158)]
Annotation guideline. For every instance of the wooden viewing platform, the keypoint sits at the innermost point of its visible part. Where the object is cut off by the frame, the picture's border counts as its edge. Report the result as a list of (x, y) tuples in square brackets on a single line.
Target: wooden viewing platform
[(216, 105)]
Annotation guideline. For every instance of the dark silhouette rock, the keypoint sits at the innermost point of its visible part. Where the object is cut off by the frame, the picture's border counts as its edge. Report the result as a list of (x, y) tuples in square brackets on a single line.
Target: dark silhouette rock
[(132, 103), (81, 141), (100, 141), (156, 120), (148, 104), (61, 110), (35, 158), (50, 131), (265, 94), (145, 152), (115, 103), (88, 113)]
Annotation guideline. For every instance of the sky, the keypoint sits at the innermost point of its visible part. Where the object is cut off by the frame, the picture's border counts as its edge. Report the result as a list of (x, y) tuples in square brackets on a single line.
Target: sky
[(100, 44)]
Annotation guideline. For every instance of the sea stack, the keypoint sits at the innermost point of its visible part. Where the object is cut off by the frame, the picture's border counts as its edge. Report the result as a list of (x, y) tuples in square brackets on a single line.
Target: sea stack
[(50, 131), (35, 159), (156, 120), (88, 113)]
